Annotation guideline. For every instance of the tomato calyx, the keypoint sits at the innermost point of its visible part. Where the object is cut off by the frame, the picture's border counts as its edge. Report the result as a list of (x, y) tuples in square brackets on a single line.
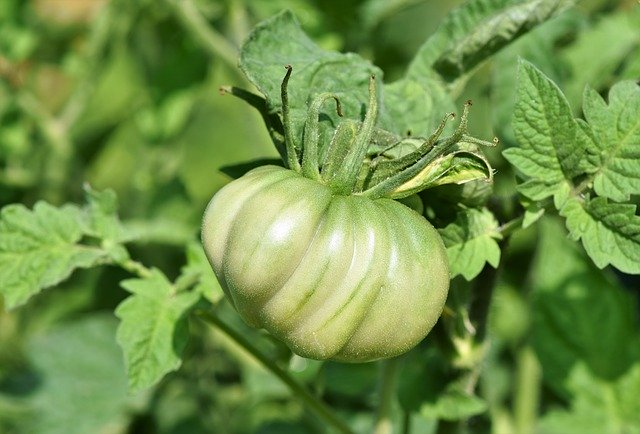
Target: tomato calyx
[(365, 160)]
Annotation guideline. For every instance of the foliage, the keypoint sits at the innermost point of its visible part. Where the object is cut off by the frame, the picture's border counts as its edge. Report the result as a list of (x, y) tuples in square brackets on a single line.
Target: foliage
[(114, 135)]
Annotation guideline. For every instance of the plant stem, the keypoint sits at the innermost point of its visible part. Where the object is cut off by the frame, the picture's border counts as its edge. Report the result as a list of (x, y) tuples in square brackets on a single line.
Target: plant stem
[(312, 402), (211, 40), (135, 267), (483, 292), (287, 125), (527, 395), (509, 227), (388, 377), (310, 161)]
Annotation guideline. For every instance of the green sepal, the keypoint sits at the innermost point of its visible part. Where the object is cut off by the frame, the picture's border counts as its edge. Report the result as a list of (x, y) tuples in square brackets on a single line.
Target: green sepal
[(457, 167), (338, 149)]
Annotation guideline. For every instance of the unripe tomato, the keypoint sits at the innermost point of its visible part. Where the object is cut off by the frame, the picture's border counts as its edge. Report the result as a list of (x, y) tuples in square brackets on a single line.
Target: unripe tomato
[(340, 277)]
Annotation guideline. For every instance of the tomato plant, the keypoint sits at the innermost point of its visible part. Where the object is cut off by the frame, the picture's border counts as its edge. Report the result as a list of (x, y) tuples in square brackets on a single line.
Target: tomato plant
[(355, 214)]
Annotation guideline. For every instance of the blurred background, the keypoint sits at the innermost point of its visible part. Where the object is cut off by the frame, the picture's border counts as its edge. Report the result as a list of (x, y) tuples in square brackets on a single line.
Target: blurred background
[(124, 94)]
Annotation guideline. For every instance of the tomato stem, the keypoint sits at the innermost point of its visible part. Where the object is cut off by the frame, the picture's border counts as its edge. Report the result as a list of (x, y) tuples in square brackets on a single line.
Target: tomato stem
[(321, 409), (387, 391), (384, 169), (345, 179), (388, 185), (292, 155), (310, 161)]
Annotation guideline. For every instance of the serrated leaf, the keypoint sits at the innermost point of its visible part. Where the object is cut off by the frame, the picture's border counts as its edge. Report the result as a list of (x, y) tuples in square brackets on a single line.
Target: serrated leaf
[(471, 242), (280, 41), (454, 404), (549, 153), (198, 268), (610, 232), (415, 106), (102, 212), (154, 329), (39, 249), (616, 129), (476, 30)]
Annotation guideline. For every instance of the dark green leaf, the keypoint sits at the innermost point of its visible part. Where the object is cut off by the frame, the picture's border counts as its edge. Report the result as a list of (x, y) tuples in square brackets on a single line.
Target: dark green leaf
[(280, 41), (478, 29)]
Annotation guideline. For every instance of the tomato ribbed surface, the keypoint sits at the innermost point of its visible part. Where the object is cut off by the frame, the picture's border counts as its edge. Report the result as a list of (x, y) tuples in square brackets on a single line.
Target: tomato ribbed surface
[(334, 277)]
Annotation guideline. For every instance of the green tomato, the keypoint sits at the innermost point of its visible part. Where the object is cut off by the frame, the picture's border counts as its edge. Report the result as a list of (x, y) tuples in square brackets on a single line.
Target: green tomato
[(335, 277)]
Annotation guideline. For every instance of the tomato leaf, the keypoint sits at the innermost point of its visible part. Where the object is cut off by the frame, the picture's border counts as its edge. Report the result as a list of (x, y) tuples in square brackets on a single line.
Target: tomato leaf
[(564, 157), (102, 215), (199, 270), (610, 232), (280, 41), (415, 106), (549, 152), (41, 248), (616, 133), (476, 30), (454, 404), (471, 242), (154, 330)]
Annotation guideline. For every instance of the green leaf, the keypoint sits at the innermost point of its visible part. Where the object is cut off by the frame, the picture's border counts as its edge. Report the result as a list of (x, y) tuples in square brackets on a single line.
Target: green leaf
[(82, 386), (549, 153), (556, 149), (581, 314), (39, 249), (198, 268), (454, 404), (458, 167), (280, 41), (415, 106), (471, 242), (598, 407), (102, 210), (532, 214), (476, 30), (610, 232), (616, 130), (154, 328)]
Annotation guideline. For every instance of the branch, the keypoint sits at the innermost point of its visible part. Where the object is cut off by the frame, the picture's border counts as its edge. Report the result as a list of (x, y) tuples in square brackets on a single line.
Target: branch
[(312, 402)]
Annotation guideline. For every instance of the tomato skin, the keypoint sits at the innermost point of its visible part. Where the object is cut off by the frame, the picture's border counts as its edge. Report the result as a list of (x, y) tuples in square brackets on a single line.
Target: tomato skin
[(334, 277)]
